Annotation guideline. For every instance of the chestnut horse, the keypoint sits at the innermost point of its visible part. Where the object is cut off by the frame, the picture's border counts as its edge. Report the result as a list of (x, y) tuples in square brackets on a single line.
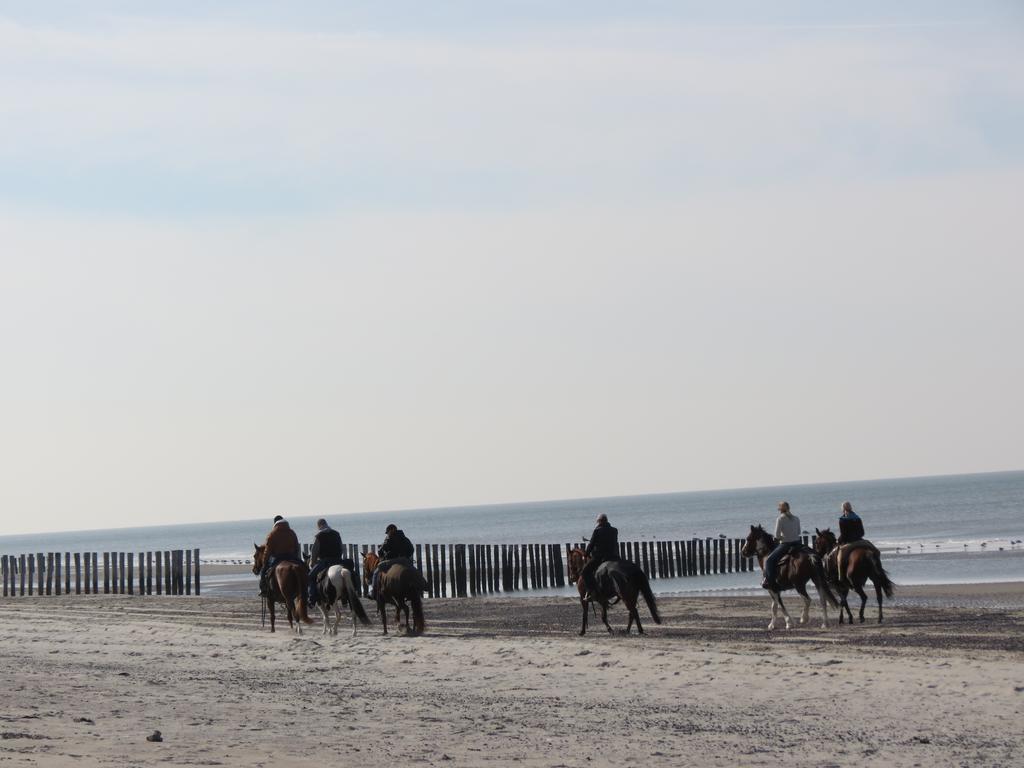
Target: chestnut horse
[(288, 586), (614, 578), (400, 583), (795, 570), (862, 563)]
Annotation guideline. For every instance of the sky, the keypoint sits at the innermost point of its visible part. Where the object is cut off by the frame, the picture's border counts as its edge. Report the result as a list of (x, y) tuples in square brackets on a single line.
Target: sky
[(401, 255)]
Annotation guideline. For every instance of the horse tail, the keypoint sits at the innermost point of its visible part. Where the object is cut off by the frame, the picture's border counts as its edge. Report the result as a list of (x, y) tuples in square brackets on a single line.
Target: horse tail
[(418, 624), (352, 595), (881, 578), (652, 606), (821, 580)]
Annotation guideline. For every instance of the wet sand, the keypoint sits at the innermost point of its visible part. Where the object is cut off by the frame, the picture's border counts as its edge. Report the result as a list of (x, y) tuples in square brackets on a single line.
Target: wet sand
[(507, 681)]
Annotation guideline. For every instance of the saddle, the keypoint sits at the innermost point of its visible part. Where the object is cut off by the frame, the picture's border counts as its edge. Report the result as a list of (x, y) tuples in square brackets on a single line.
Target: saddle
[(785, 559)]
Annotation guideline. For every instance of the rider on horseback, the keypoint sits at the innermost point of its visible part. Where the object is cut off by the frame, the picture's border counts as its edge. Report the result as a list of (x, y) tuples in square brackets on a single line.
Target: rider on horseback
[(787, 534), (325, 552), (396, 549), (602, 547), (851, 536), (850, 526), (281, 544)]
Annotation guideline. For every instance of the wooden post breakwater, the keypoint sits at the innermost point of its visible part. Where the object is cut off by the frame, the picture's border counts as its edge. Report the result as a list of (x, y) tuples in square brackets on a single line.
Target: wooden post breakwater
[(124, 573), (451, 570), (471, 570)]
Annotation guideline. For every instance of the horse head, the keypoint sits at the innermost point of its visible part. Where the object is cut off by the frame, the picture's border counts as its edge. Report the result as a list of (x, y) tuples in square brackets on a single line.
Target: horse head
[(576, 558), (758, 538), (370, 561), (824, 541), (257, 558)]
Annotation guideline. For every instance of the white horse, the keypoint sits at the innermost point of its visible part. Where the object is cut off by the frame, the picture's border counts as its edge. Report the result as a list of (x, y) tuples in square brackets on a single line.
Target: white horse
[(337, 589)]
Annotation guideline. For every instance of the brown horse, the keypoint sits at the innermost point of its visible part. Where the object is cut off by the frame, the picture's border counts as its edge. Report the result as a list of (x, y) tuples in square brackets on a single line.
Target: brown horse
[(795, 570), (399, 584), (615, 579), (288, 586), (863, 563)]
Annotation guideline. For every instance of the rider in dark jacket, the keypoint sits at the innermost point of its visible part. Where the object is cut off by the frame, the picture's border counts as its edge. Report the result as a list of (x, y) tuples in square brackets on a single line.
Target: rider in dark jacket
[(602, 547), (850, 526), (325, 552), (396, 547)]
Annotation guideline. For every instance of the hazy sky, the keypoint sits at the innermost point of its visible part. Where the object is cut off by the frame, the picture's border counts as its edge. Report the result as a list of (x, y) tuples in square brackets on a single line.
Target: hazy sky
[(418, 254)]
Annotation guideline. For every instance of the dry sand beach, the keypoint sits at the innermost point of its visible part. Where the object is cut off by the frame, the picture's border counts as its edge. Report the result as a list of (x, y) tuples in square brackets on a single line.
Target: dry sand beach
[(507, 682)]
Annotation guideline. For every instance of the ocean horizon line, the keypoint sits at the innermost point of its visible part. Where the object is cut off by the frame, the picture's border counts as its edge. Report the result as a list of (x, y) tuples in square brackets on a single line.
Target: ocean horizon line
[(530, 502)]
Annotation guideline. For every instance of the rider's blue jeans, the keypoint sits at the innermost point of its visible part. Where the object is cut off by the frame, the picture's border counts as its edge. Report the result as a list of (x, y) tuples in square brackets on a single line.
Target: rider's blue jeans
[(771, 563)]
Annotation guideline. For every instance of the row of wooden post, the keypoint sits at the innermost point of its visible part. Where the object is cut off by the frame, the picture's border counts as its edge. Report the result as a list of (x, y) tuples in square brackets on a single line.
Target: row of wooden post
[(456, 570), (172, 572), (463, 570)]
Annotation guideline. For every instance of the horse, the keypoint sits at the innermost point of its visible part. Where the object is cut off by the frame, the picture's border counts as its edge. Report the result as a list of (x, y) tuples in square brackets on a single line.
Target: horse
[(795, 570), (614, 578), (338, 588), (863, 563), (400, 583), (288, 586)]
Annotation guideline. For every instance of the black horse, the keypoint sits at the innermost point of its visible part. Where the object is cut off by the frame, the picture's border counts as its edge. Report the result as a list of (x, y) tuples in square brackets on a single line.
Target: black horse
[(615, 579)]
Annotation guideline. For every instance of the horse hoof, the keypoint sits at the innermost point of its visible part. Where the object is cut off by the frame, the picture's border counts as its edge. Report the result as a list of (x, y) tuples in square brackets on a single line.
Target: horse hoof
[(789, 624), (824, 625), (771, 626)]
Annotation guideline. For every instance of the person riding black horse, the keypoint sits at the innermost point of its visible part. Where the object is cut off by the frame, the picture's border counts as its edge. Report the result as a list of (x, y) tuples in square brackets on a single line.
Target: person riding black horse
[(325, 552), (602, 547), (396, 549), (281, 544)]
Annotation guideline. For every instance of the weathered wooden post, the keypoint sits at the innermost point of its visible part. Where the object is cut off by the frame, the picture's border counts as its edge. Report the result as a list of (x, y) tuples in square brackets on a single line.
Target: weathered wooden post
[(428, 571), (188, 571), (95, 574), (195, 559), (3, 568), (149, 573), (67, 573), (167, 573), (106, 573), (159, 573), (78, 573), (442, 571)]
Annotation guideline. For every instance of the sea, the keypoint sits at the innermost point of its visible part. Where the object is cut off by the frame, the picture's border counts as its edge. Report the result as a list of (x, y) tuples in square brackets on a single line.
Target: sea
[(953, 529)]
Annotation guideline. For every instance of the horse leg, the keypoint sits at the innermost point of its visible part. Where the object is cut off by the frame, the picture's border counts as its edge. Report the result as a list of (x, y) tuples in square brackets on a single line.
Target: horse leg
[(634, 614), (878, 596), (583, 628), (859, 589), (270, 607), (327, 622), (383, 611), (782, 607), (805, 614), (604, 617), (775, 611)]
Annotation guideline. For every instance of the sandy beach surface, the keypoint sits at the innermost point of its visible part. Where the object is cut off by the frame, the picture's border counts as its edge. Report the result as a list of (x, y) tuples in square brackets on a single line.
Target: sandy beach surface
[(498, 682)]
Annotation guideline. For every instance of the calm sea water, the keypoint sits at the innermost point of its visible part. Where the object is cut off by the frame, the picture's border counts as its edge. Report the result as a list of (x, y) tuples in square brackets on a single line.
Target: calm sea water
[(951, 529)]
